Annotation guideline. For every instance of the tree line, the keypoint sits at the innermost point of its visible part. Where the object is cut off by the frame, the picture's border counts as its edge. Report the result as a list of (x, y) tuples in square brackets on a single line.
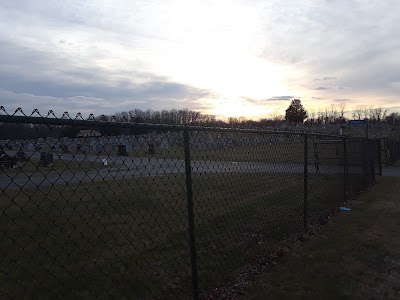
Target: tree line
[(172, 117), (336, 114), (294, 114)]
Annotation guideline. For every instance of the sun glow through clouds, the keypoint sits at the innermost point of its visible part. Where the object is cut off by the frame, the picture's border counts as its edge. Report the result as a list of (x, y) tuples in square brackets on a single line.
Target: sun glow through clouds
[(231, 58), (220, 54)]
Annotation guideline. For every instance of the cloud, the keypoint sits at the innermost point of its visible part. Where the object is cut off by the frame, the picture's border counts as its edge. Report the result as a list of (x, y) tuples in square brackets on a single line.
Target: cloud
[(342, 100), (49, 80), (324, 78), (85, 105), (326, 39), (280, 98), (321, 88)]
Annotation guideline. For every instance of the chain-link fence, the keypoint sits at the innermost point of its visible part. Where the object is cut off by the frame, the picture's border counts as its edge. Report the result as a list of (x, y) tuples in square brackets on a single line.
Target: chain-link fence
[(101, 209), (390, 150)]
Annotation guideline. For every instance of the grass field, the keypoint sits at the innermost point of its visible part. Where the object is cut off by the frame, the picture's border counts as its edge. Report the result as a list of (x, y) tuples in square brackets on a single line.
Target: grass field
[(292, 151), (130, 236), (357, 255), (258, 153)]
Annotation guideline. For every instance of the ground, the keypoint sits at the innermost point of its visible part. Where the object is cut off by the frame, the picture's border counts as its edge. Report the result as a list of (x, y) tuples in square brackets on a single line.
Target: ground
[(141, 224), (355, 256), (79, 228)]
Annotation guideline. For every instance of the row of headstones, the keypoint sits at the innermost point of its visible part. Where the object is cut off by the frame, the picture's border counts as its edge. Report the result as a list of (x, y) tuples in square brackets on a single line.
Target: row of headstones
[(84, 144), (125, 144), (30, 147), (128, 141), (121, 148)]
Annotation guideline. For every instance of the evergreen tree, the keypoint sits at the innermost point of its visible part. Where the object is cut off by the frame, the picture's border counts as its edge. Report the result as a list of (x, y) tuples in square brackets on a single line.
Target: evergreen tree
[(296, 113)]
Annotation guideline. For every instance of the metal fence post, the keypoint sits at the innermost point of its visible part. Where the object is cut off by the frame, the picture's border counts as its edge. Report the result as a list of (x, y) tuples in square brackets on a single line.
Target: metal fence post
[(379, 144), (345, 170), (393, 155), (371, 148), (364, 167), (385, 144), (305, 208), (189, 191)]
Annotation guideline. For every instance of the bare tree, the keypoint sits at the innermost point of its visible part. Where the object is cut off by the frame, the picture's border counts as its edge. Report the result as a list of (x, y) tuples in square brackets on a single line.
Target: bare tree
[(311, 116), (342, 110), (358, 112), (275, 116), (366, 112), (334, 113), (379, 113), (393, 118)]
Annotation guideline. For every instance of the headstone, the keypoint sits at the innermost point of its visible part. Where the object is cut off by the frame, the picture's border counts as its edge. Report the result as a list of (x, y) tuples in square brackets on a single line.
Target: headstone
[(7, 162), (98, 148), (85, 149), (128, 147), (152, 149), (108, 148), (141, 141), (122, 140), (46, 159), (112, 140), (122, 150), (30, 147), (21, 156)]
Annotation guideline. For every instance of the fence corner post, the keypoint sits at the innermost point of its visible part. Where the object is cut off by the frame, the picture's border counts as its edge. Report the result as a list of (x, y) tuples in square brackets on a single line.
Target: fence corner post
[(379, 144), (345, 170), (305, 175), (189, 194)]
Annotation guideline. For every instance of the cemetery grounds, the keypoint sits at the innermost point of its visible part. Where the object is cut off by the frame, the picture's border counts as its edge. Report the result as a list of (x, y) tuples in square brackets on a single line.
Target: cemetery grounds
[(140, 219)]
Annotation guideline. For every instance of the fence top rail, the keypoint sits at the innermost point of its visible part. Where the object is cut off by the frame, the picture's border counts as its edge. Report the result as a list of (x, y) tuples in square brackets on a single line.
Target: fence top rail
[(92, 122)]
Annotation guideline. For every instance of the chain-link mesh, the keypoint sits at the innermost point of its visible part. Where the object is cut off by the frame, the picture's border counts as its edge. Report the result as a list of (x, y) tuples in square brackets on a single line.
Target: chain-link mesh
[(325, 175), (248, 196), (101, 209), (390, 150)]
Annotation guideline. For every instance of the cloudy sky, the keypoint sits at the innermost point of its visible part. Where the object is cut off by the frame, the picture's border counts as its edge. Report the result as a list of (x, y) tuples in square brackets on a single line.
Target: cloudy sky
[(232, 58)]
